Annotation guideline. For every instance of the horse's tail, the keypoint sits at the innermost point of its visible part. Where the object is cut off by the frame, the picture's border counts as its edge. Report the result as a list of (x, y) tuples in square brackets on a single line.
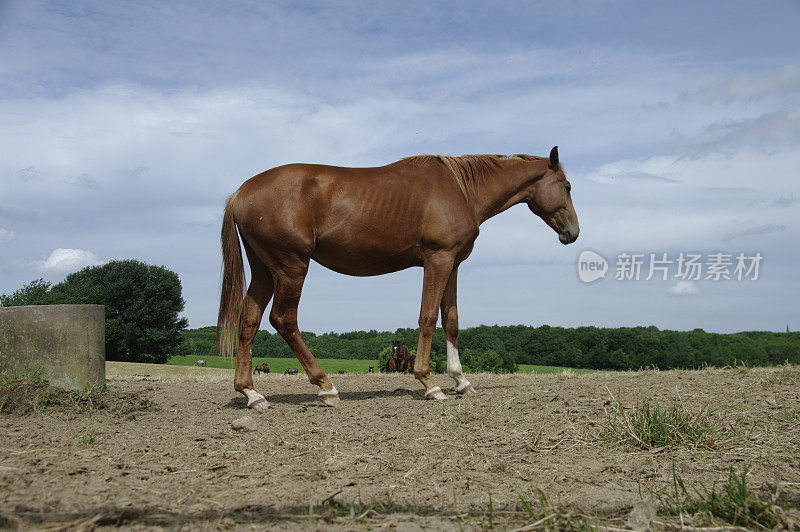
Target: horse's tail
[(231, 301)]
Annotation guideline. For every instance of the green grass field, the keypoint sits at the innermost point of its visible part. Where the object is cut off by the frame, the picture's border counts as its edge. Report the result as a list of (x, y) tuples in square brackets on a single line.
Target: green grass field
[(332, 365)]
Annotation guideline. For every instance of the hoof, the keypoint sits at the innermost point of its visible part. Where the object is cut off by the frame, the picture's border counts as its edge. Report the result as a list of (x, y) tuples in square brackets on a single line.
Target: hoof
[(259, 405), (255, 401), (435, 393), (466, 390), (329, 399)]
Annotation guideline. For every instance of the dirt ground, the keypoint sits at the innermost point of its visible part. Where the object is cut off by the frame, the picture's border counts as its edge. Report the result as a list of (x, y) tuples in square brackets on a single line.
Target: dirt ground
[(161, 451)]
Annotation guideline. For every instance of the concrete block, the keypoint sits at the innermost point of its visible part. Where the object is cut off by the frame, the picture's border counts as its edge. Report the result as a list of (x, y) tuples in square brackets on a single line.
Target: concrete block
[(65, 343)]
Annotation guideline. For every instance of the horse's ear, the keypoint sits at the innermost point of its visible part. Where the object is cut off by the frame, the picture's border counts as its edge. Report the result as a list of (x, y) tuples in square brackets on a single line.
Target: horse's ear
[(554, 158)]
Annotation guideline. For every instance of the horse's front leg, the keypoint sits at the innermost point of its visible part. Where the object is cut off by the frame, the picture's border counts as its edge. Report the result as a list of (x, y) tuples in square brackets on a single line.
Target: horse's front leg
[(437, 271), (450, 324)]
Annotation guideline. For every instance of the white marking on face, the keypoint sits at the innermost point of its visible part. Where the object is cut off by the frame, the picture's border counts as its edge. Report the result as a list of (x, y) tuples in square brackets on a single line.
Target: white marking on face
[(252, 396)]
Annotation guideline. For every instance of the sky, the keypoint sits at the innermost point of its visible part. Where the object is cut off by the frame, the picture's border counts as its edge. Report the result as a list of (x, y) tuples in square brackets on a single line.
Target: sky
[(125, 125)]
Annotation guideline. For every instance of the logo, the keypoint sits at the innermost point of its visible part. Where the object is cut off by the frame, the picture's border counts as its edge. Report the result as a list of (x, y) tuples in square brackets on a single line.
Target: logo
[(591, 266), (684, 267)]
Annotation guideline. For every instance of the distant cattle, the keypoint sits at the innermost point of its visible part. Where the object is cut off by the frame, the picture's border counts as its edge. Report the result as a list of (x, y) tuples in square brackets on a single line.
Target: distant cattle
[(291, 371), (342, 372), (371, 369), (200, 363), (261, 368)]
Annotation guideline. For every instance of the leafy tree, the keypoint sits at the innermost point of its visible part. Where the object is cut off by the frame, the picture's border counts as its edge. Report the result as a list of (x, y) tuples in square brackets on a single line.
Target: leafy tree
[(33, 293), (141, 302), (383, 358), (480, 338), (474, 360)]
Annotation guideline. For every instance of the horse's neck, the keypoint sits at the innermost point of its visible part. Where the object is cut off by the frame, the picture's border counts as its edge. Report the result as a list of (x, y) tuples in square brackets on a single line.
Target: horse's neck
[(505, 187)]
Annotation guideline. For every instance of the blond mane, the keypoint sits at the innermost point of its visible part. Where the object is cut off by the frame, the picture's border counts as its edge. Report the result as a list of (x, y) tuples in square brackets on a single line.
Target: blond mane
[(467, 169)]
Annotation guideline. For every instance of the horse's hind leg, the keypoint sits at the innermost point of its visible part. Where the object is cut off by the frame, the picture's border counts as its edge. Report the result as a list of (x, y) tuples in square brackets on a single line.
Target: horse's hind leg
[(255, 301), (288, 281), (450, 324)]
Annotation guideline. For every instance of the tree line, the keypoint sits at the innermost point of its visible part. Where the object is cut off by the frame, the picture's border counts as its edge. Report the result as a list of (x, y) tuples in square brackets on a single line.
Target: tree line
[(143, 303), (501, 348)]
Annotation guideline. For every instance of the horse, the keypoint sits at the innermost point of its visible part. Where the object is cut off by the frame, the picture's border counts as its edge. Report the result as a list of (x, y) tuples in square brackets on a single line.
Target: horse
[(400, 360), (403, 356), (423, 211), (371, 369), (291, 371), (261, 368), (200, 363), (342, 372)]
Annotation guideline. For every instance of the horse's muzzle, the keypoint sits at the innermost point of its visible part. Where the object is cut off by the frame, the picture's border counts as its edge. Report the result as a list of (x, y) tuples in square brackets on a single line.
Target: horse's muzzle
[(568, 235)]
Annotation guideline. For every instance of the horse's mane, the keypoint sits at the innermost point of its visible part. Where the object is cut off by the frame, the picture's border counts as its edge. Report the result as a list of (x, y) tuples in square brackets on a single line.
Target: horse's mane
[(467, 169)]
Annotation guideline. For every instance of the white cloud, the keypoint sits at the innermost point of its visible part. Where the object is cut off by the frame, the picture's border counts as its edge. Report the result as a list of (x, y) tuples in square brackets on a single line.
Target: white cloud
[(20, 215), (684, 288), (82, 181), (63, 261), (776, 82), (754, 231), (6, 235), (785, 201), (684, 203), (771, 130)]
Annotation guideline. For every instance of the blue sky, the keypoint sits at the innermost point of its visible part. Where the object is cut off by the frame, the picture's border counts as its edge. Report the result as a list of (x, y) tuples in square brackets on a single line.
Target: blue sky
[(124, 126)]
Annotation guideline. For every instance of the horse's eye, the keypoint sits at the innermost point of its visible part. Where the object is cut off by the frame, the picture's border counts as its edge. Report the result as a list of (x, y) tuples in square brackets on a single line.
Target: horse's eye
[(568, 187)]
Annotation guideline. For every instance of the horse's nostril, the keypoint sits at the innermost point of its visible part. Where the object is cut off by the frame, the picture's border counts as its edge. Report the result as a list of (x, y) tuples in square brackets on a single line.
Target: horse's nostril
[(569, 236)]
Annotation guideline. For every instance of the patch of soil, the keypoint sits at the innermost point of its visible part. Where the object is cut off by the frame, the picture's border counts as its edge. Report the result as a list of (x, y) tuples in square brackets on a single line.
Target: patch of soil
[(22, 397), (29, 396), (161, 450)]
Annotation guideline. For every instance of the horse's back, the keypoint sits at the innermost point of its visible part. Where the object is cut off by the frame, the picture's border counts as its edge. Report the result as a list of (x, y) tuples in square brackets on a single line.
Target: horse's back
[(395, 188), (357, 221)]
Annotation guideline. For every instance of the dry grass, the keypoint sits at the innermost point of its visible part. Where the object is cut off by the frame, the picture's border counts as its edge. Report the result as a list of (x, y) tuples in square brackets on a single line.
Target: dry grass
[(647, 424), (733, 502), (29, 393)]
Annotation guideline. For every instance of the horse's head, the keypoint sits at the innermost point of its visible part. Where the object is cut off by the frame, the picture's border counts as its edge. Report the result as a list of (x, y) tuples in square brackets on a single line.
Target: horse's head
[(549, 198)]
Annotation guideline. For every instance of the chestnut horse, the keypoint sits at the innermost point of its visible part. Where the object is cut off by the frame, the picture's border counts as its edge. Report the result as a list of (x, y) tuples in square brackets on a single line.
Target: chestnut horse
[(400, 360), (419, 211)]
